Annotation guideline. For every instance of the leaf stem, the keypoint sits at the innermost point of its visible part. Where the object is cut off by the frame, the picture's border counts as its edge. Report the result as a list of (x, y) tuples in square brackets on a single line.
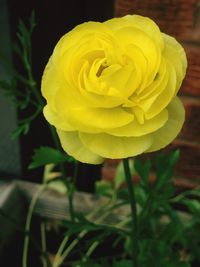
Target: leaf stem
[(43, 243), (134, 235), (61, 255), (28, 224), (96, 243)]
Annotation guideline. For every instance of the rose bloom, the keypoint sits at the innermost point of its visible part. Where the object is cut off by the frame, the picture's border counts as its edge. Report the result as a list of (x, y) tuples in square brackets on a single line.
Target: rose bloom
[(111, 89)]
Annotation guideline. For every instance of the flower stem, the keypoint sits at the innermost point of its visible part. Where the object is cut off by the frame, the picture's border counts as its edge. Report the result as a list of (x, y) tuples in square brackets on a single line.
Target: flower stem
[(72, 187), (134, 235)]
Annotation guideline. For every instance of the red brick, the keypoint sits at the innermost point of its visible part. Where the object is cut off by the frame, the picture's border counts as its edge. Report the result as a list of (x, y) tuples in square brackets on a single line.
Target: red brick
[(108, 174), (191, 85), (185, 184), (180, 18), (191, 127)]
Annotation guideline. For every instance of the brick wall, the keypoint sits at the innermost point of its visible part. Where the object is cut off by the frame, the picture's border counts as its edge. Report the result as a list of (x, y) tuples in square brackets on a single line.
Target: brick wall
[(181, 19)]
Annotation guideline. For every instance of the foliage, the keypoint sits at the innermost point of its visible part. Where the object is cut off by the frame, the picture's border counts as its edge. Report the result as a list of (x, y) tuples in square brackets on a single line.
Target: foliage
[(164, 230), (46, 155), (21, 88)]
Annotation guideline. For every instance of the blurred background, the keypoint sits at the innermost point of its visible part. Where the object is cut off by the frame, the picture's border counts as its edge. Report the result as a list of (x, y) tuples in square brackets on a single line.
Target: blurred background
[(180, 18)]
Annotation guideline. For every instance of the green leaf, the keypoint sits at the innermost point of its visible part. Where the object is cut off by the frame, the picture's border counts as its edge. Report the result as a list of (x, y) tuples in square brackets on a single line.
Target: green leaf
[(165, 162), (194, 193), (21, 129), (104, 188), (143, 169), (59, 186), (89, 264), (32, 21), (193, 205), (140, 195), (127, 245), (173, 158), (180, 264), (123, 263), (119, 179), (46, 155), (82, 225), (165, 165)]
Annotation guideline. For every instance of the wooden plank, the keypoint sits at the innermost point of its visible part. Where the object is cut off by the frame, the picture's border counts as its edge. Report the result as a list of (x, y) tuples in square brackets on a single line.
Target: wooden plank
[(15, 197), (51, 204)]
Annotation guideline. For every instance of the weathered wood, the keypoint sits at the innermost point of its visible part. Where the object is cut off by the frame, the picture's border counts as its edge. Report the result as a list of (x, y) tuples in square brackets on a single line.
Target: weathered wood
[(51, 204), (16, 196)]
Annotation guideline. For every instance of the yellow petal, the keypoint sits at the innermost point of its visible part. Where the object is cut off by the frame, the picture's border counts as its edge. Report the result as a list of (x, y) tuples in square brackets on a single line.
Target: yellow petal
[(149, 94), (93, 91), (72, 39), (175, 54), (161, 100), (56, 119), (73, 146), (148, 26), (152, 53), (92, 120), (125, 80), (114, 147), (49, 84), (172, 127), (143, 23), (136, 129), (158, 84), (134, 54), (139, 114), (102, 101)]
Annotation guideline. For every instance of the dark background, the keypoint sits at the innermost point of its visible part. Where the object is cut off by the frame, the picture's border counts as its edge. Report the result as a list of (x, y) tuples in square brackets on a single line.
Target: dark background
[(53, 18)]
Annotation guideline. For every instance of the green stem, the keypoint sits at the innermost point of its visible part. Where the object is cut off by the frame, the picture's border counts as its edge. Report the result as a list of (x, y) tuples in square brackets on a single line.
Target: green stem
[(43, 243), (60, 255), (75, 172), (28, 224), (33, 85), (70, 199), (134, 235), (60, 251), (32, 117), (72, 186), (94, 245), (89, 252)]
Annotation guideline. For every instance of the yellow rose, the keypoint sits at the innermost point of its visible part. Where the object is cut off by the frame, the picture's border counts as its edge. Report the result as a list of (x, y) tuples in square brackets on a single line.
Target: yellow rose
[(111, 89)]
